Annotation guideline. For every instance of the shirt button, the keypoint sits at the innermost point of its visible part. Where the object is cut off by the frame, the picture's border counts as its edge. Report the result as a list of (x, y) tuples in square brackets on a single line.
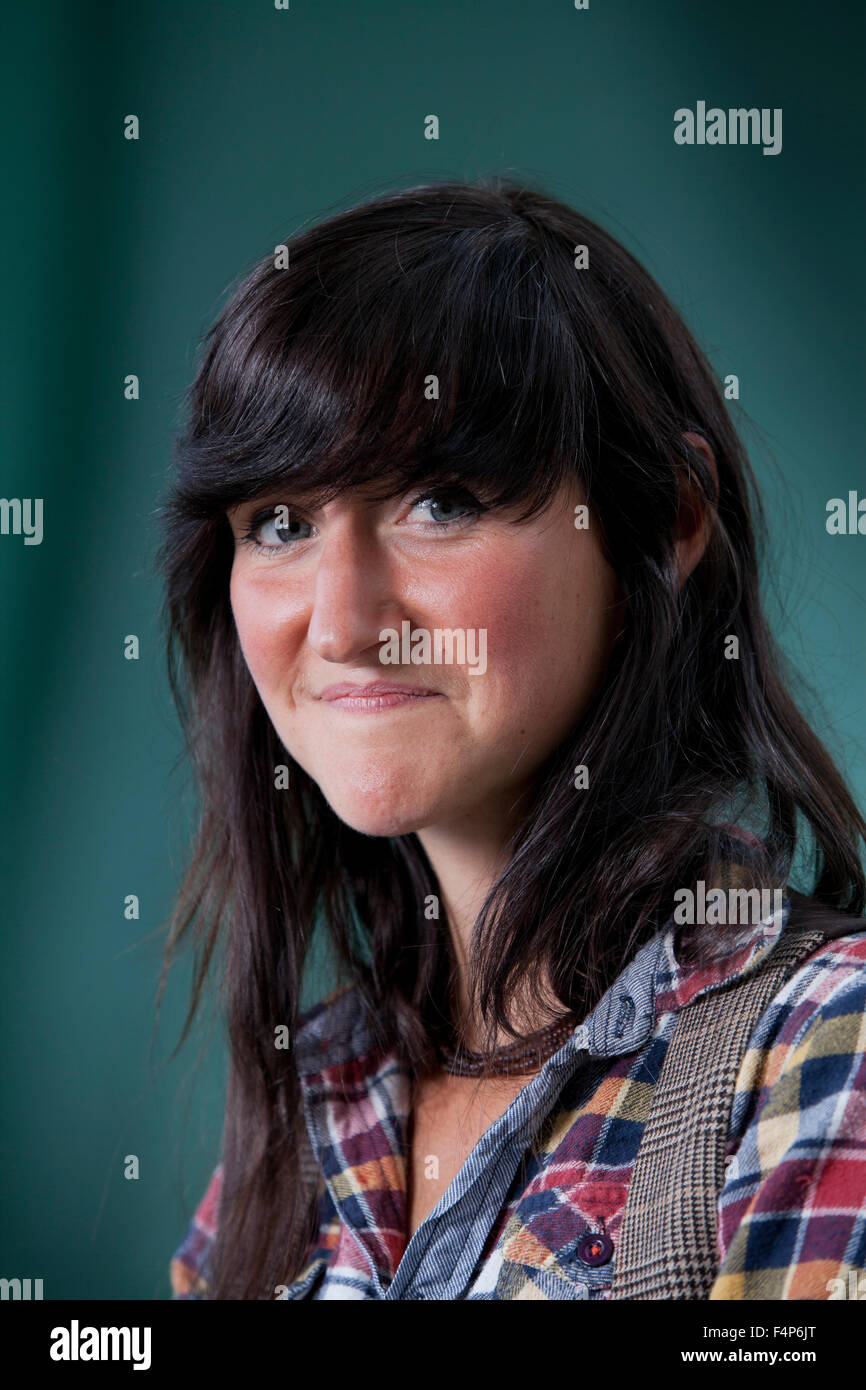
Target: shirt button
[(595, 1249)]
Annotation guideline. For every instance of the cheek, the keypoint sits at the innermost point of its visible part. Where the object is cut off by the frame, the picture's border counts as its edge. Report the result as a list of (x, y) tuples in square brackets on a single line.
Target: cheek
[(265, 624), (549, 622)]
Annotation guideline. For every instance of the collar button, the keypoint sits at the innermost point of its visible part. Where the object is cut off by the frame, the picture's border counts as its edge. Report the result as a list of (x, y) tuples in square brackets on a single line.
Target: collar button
[(625, 1016)]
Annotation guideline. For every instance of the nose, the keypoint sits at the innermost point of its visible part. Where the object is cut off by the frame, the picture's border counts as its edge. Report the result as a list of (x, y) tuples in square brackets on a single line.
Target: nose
[(352, 601)]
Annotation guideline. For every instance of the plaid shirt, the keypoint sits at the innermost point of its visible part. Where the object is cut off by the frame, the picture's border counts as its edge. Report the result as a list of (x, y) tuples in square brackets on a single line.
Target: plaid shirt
[(518, 1220)]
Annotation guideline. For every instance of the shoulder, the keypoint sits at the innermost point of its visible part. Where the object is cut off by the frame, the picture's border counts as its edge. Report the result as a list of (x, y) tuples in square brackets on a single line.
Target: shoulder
[(188, 1269), (325, 1006), (336, 1030), (827, 986), (322, 1025), (818, 1013), (792, 1213)]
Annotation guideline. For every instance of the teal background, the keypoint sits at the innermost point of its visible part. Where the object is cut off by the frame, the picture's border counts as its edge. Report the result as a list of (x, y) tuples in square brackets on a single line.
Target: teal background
[(117, 254)]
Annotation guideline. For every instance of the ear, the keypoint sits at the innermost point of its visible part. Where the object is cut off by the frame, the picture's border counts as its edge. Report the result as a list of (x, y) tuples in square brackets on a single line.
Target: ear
[(695, 514)]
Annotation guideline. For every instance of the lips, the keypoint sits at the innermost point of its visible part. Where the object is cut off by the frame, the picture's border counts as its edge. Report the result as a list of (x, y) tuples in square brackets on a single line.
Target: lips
[(377, 697), (348, 690)]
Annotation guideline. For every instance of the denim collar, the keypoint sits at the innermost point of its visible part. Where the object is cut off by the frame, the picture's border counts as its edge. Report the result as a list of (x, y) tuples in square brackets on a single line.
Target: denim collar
[(655, 981)]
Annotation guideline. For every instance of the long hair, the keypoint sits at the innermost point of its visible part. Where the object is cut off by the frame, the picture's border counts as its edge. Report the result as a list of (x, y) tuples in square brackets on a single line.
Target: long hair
[(554, 363)]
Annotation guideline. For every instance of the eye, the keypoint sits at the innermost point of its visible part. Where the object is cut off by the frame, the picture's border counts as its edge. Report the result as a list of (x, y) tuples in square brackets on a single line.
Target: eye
[(275, 528), (448, 508)]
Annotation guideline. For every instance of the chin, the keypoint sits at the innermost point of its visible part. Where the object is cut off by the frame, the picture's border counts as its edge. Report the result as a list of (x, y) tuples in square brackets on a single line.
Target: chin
[(381, 810), (379, 828)]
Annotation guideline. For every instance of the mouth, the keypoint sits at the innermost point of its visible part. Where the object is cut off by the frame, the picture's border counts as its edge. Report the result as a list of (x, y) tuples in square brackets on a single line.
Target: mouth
[(376, 696)]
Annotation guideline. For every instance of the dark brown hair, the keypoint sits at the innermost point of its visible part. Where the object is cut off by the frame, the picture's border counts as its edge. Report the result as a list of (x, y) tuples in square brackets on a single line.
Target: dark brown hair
[(313, 376)]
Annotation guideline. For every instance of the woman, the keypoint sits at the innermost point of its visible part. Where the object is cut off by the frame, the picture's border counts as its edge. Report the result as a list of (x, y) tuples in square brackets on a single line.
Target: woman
[(466, 635)]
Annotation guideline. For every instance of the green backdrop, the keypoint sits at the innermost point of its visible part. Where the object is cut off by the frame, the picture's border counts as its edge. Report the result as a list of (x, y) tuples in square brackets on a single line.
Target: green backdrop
[(118, 253)]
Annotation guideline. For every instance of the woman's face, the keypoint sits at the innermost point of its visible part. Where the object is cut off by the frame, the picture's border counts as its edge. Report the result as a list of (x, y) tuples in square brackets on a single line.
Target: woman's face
[(526, 610)]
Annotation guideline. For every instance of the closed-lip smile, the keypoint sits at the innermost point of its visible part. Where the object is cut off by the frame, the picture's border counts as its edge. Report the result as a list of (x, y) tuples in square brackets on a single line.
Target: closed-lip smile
[(376, 695)]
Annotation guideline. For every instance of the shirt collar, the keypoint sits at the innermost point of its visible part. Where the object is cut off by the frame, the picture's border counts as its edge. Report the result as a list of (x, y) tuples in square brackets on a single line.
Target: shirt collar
[(657, 980), (357, 1097)]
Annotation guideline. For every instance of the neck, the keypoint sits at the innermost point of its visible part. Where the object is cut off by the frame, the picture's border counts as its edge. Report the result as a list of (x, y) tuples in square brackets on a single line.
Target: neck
[(467, 858)]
